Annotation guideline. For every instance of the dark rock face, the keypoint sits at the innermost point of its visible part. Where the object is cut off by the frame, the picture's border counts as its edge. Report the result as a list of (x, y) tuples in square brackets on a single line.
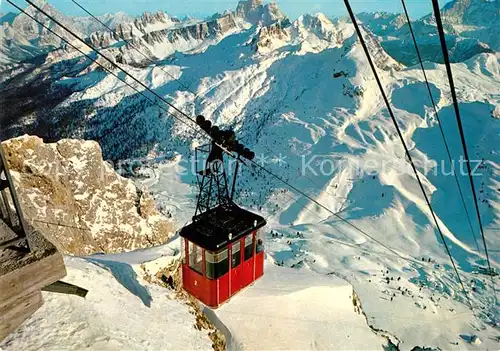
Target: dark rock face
[(268, 34)]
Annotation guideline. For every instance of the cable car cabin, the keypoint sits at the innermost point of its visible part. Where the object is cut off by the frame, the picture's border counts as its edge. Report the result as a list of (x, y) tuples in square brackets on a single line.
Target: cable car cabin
[(221, 250), (222, 253)]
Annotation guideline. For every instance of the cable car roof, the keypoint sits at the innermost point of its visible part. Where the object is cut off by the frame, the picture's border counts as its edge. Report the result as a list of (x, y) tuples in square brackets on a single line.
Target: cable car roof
[(211, 230)]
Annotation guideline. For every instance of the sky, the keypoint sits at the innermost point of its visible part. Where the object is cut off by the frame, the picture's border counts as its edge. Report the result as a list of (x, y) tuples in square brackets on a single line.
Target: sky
[(204, 8)]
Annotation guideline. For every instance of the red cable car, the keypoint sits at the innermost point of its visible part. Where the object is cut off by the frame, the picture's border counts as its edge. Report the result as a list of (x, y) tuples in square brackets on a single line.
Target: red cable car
[(222, 252), (220, 260)]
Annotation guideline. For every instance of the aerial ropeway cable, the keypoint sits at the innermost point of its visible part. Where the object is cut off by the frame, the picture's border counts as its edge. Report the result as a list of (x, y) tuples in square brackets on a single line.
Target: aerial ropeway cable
[(442, 38), (407, 151), (131, 45), (194, 121), (178, 81), (104, 68), (448, 152)]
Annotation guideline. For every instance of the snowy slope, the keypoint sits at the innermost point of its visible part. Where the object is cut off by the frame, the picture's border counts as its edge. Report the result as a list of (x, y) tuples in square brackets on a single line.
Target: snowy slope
[(400, 218), (121, 311), (323, 312), (319, 314), (304, 89)]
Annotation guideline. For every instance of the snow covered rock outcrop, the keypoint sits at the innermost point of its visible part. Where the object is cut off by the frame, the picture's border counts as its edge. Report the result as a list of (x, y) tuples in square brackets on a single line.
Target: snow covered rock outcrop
[(272, 36), (79, 201)]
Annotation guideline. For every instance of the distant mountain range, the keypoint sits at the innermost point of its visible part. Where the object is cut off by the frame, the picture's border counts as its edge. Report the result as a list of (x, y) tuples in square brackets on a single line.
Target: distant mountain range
[(471, 27), (299, 93), (468, 31)]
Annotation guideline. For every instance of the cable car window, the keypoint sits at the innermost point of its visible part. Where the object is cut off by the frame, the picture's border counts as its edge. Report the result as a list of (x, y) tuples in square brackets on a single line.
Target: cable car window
[(236, 255), (248, 247), (260, 242), (216, 264), (195, 258)]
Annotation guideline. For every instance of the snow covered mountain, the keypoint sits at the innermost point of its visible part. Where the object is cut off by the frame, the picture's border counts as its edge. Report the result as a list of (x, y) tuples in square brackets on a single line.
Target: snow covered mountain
[(471, 13), (471, 27), (124, 309), (87, 25), (302, 96), (382, 23), (254, 11), (21, 38), (137, 28), (192, 38), (473, 19), (157, 36)]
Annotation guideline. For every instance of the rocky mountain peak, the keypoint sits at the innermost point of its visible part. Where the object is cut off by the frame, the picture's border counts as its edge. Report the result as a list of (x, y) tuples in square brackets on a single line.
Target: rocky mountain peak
[(471, 12), (22, 38), (272, 36), (40, 3), (24, 27), (159, 44), (317, 21), (149, 17), (44, 5), (254, 11), (479, 13), (245, 7)]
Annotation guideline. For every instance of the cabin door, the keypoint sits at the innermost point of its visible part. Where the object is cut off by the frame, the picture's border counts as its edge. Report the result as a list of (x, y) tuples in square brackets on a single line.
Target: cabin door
[(236, 268), (248, 259)]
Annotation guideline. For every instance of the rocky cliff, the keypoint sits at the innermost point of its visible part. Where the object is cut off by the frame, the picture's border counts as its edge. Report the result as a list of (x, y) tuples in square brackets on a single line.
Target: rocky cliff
[(83, 206), (254, 11), (158, 36)]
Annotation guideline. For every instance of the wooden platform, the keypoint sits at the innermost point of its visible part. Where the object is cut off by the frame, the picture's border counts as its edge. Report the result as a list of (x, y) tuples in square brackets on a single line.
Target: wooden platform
[(23, 276)]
